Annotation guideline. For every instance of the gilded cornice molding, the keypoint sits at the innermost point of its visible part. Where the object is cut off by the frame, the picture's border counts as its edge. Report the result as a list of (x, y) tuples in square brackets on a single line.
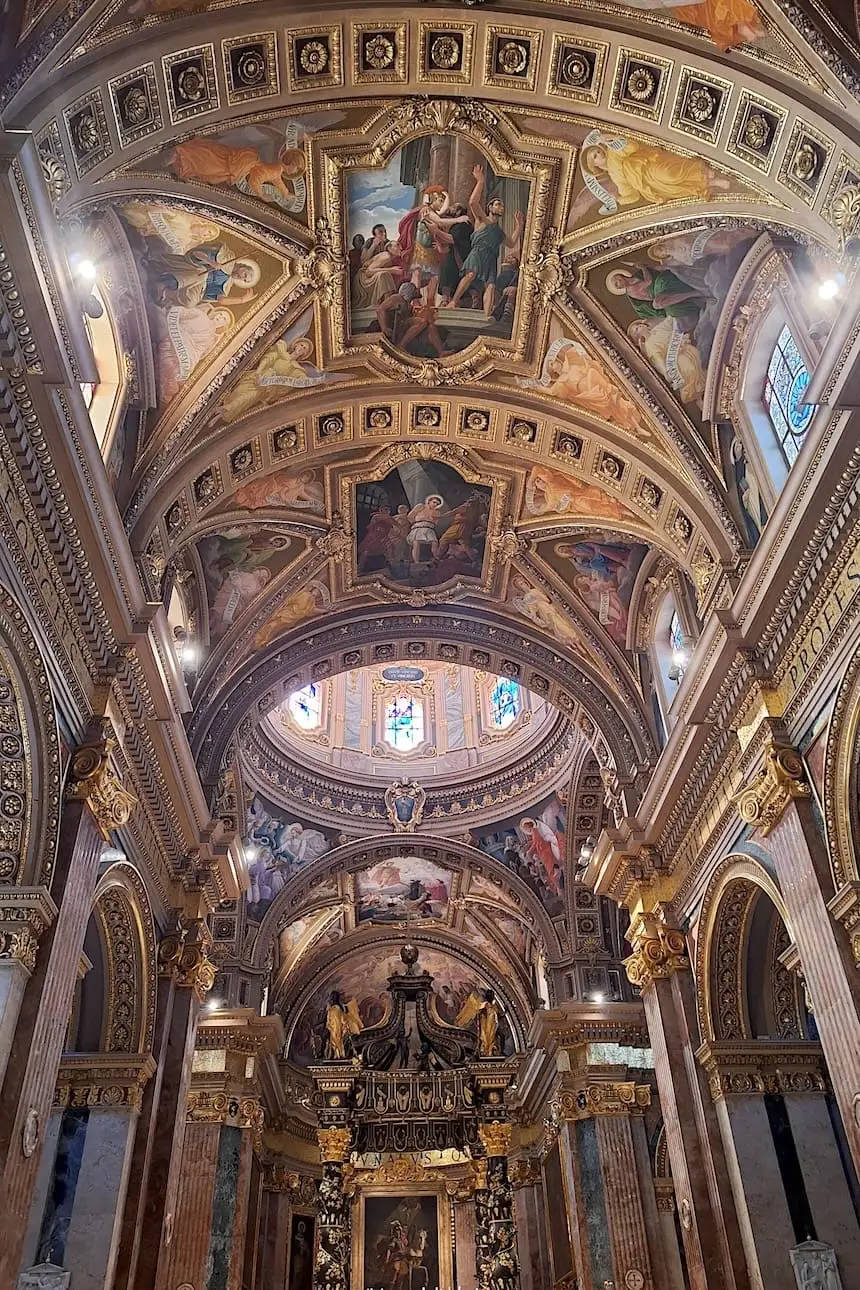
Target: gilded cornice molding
[(25, 915), (780, 780), (603, 1097), (241, 1031), (206, 1106), (106, 1081), (279, 1177), (845, 906), (755, 1068), (659, 953)]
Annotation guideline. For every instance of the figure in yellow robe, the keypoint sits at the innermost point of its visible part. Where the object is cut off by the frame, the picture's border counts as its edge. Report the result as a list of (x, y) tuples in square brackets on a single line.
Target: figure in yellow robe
[(641, 172)]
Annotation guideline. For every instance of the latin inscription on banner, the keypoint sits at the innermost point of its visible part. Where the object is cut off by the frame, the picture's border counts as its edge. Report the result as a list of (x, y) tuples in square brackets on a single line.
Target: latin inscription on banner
[(813, 641)]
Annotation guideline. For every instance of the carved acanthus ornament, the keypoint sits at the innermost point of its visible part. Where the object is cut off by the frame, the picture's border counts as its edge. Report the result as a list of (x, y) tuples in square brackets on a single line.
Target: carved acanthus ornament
[(660, 951), (334, 1144), (754, 1069), (184, 954), (845, 906), (622, 1097), (496, 1138), (107, 1080), (322, 268), (206, 1107), (508, 545), (780, 780), (25, 914), (337, 542), (91, 780), (279, 1177), (548, 273)]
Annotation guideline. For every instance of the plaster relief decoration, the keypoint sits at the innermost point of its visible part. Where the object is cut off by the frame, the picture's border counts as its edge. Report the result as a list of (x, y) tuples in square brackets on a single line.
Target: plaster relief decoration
[(423, 523), (815, 1267), (667, 298), (435, 243), (238, 565), (404, 805), (287, 365), (531, 844), (278, 846), (262, 159), (602, 571), (200, 281), (402, 890)]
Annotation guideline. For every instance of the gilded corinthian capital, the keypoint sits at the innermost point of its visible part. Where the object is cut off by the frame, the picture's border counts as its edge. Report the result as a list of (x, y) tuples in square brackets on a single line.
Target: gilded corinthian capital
[(659, 951), (334, 1144), (91, 780)]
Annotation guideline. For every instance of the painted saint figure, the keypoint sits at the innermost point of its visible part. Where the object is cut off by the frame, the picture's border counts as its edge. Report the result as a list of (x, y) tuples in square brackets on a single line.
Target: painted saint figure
[(342, 1021), (480, 268)]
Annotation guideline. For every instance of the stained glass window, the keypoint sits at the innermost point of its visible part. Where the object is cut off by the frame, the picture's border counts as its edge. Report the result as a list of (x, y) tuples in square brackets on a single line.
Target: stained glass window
[(505, 702), (678, 647), (784, 391), (306, 706), (404, 722)]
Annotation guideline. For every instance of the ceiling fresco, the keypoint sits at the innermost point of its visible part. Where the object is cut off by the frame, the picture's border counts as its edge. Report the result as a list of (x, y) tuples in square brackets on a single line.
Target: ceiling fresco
[(433, 332)]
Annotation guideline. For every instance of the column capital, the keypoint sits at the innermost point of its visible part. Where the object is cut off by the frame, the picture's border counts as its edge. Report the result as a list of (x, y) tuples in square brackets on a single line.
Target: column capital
[(26, 913), (603, 1097), (780, 779), (664, 1194), (109, 1081), (752, 1069), (845, 906), (334, 1144), (659, 950), (207, 1107), (184, 955), (496, 1137), (92, 781)]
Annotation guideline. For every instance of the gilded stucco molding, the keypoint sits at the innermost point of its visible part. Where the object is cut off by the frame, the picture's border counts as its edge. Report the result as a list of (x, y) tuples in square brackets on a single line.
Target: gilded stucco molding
[(91, 780), (25, 915), (334, 1144), (769, 1066), (103, 1081), (781, 780), (601, 1098), (659, 951)]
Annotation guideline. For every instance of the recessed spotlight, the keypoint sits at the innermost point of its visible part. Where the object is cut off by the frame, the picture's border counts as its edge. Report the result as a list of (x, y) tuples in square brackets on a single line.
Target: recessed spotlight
[(597, 998), (189, 656), (251, 853), (86, 269), (828, 289), (212, 1005)]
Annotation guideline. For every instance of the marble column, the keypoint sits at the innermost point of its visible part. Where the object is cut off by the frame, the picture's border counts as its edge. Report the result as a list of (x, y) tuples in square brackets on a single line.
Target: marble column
[(778, 803), (783, 1157), (709, 1222), (464, 1238), (25, 913), (273, 1245), (95, 803), (333, 1253), (496, 1259)]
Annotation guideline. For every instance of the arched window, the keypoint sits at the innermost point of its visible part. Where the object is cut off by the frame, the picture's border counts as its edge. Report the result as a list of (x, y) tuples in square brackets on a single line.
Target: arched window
[(306, 706), (404, 722), (678, 648), (784, 391), (505, 702)]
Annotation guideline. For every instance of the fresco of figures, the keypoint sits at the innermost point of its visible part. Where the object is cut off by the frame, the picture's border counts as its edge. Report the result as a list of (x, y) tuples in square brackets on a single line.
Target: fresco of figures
[(667, 298), (200, 281), (399, 890), (285, 366), (298, 606), (319, 928), (548, 493), (573, 376), (363, 976), (532, 845), (423, 525), (299, 489), (279, 847), (434, 247), (602, 571), (237, 565), (263, 159)]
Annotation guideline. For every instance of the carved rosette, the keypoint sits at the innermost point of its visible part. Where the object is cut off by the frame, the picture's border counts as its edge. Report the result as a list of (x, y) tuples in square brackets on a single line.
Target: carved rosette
[(780, 780), (660, 952), (91, 780)]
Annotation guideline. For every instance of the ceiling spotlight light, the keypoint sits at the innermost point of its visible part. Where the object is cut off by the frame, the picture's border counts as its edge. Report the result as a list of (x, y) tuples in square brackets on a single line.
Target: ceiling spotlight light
[(828, 289), (597, 997), (189, 655), (251, 853), (212, 1005), (86, 269)]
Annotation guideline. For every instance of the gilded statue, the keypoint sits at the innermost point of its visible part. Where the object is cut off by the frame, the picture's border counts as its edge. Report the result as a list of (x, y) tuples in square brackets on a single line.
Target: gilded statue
[(484, 1008), (342, 1021)]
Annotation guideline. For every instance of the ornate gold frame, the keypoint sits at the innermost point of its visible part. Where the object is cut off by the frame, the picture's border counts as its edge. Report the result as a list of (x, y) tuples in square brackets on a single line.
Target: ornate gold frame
[(444, 1224)]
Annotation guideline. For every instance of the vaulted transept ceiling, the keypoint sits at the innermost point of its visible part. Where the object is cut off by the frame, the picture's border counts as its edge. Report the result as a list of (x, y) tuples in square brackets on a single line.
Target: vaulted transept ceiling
[(432, 333)]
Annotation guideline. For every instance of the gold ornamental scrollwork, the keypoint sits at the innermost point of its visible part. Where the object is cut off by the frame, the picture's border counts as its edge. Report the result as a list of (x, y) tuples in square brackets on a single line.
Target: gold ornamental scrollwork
[(780, 780), (25, 914), (91, 780), (496, 1138), (616, 1098), (334, 1144), (660, 952)]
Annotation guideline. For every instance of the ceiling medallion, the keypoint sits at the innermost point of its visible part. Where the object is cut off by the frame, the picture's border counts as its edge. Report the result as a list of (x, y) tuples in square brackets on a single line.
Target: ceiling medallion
[(641, 85), (85, 131), (512, 58), (575, 69), (314, 57), (379, 52), (477, 420), (445, 52), (805, 162), (757, 131), (191, 84), (136, 109), (251, 68), (701, 104)]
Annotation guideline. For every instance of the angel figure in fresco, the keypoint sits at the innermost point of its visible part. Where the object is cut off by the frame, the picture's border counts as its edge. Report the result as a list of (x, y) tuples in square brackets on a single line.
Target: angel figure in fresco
[(727, 22), (184, 336), (179, 230), (623, 172), (483, 1006), (304, 603), (342, 1021), (286, 365), (548, 492), (570, 374), (280, 182), (298, 490), (672, 354), (539, 609)]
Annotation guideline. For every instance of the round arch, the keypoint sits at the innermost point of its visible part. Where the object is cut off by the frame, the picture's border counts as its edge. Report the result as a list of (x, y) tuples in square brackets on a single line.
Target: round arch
[(841, 777), (743, 905), (122, 908)]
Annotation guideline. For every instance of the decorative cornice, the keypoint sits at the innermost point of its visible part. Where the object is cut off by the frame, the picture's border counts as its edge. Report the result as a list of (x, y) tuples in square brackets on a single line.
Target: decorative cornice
[(207, 1107), (108, 1081), (845, 906), (281, 1178), (660, 951), (766, 1066), (623, 1097), (91, 780), (25, 914), (780, 780)]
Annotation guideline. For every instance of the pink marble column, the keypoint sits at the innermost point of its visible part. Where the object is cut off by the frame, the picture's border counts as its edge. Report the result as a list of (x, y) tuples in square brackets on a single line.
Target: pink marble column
[(464, 1236), (623, 1202), (273, 1241)]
